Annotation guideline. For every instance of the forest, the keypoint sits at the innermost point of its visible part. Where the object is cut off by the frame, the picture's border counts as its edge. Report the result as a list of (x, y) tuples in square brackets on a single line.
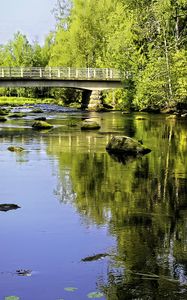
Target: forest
[(147, 38)]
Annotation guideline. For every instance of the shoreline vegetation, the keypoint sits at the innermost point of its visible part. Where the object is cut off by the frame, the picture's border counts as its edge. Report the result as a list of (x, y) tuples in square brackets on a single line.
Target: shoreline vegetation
[(146, 39), (180, 110), (22, 101)]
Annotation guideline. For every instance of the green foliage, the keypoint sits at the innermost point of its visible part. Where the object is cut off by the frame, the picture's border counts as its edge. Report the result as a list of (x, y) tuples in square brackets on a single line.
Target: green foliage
[(147, 38)]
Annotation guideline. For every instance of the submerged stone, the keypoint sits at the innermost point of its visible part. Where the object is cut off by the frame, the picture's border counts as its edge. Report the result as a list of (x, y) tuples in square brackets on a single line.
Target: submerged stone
[(7, 207), (41, 125), (15, 149), (126, 145), (94, 257), (90, 125)]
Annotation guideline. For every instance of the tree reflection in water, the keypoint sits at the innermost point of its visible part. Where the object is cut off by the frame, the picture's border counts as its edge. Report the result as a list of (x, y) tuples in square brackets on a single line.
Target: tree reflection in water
[(142, 203)]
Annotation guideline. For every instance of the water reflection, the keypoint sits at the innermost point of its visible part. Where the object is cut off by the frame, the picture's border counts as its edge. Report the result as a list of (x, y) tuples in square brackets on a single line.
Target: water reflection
[(142, 202)]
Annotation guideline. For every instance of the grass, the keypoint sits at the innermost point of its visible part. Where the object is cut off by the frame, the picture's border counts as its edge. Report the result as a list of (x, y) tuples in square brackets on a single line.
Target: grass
[(19, 101)]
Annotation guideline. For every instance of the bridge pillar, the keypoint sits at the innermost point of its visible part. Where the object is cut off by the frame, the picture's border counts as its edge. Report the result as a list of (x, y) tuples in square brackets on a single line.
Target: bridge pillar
[(95, 102), (92, 100)]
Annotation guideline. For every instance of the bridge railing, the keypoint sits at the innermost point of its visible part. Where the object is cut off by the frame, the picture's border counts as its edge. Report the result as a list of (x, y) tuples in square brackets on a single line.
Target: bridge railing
[(62, 73)]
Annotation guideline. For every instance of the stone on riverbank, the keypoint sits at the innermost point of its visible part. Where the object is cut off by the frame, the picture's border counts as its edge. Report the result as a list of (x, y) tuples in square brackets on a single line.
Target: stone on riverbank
[(15, 149), (90, 125), (41, 125), (126, 145)]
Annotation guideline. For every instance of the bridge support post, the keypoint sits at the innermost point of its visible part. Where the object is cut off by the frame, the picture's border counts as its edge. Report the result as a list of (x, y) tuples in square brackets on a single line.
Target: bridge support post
[(95, 103), (91, 100)]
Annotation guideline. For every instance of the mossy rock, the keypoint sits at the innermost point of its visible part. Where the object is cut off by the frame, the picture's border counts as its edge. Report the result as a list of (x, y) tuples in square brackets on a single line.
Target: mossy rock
[(4, 112), (126, 145), (17, 115), (41, 125), (90, 125), (3, 119), (37, 111), (15, 149)]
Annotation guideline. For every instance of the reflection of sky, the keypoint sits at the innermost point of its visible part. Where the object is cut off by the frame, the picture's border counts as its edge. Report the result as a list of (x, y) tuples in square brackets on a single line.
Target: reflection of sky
[(44, 236), (33, 18)]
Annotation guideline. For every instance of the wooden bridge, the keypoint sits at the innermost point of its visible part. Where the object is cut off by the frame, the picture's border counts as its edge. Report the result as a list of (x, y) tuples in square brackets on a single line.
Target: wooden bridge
[(89, 79)]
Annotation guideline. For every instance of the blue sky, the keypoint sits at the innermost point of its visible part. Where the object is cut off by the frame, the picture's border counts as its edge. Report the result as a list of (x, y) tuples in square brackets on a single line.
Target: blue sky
[(31, 17)]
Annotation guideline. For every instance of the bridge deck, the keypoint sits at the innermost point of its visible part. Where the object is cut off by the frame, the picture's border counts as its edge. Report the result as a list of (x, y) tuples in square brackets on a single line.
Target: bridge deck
[(62, 73)]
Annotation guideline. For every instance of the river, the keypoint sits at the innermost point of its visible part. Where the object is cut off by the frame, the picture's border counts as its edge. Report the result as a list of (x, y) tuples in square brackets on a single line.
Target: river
[(90, 226)]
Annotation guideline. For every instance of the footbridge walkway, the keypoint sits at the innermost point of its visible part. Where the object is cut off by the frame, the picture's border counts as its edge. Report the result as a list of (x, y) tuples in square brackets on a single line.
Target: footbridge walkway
[(89, 80)]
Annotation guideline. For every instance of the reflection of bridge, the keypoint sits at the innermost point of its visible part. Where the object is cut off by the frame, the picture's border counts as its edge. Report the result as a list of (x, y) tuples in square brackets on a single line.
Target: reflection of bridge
[(88, 79)]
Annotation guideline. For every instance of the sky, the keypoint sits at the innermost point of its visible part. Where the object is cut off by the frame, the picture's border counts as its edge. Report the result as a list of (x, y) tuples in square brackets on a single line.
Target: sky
[(31, 17)]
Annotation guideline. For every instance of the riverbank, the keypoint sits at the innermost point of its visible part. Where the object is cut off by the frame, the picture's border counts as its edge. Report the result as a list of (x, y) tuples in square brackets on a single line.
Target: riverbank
[(20, 101)]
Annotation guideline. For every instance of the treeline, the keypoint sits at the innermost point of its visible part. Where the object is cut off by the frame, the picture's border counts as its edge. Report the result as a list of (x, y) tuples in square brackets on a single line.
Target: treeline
[(147, 38)]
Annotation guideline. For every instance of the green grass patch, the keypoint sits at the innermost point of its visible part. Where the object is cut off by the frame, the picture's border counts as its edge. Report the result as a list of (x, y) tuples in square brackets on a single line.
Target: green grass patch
[(19, 101)]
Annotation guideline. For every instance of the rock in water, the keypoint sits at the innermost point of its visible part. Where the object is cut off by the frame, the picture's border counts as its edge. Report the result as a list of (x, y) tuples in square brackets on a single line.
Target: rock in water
[(37, 111), (41, 125), (7, 207), (3, 119), (41, 119), (17, 115), (126, 145), (15, 149), (94, 257), (90, 125), (22, 272), (4, 112)]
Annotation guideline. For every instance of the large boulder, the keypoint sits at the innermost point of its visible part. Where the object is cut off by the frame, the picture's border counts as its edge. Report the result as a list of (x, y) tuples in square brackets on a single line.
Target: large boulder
[(126, 145), (41, 125)]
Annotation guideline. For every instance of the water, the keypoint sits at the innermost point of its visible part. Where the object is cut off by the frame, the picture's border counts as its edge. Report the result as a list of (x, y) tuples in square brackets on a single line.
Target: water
[(77, 201)]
